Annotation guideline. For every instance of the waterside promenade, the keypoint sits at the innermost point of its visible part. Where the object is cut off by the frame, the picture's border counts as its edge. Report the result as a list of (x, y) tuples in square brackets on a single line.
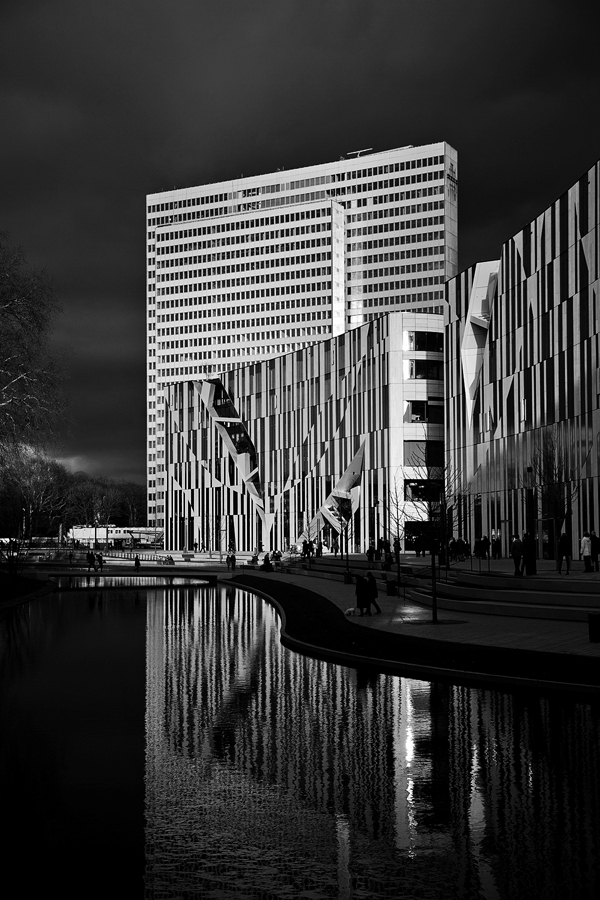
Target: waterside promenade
[(492, 627)]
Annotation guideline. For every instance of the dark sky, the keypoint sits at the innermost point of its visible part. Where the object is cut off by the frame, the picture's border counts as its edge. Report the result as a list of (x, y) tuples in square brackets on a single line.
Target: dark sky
[(102, 102)]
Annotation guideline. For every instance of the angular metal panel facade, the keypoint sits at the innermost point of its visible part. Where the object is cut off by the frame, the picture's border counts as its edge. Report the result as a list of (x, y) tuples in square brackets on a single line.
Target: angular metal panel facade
[(523, 379)]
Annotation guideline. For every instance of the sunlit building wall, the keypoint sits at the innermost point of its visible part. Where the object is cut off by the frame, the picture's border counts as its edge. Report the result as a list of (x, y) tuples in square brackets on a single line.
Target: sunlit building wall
[(523, 380), (268, 452), (258, 266)]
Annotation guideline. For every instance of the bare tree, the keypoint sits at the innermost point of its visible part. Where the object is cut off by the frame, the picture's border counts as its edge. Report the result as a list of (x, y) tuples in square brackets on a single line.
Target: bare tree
[(29, 376), (429, 493), (133, 501), (35, 486), (554, 476), (395, 505)]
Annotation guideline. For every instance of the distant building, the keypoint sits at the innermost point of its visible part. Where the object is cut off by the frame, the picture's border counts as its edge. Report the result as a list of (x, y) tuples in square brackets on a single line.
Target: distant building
[(261, 266), (339, 436), (115, 536), (523, 380)]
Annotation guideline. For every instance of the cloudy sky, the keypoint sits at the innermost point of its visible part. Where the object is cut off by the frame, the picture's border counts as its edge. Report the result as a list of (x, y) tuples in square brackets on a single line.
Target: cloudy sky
[(105, 101)]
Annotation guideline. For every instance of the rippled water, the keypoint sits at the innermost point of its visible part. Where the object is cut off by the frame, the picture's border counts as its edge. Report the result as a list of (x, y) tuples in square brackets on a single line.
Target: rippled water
[(271, 775)]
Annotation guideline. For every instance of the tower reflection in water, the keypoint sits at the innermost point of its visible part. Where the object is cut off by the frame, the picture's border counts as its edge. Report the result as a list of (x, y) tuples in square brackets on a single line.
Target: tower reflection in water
[(270, 774)]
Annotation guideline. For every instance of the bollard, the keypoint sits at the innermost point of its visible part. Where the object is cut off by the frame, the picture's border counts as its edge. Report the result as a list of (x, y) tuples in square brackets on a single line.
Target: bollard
[(594, 627)]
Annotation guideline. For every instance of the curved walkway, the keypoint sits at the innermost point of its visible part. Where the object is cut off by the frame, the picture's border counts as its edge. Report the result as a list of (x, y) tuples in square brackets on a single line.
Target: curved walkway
[(462, 646)]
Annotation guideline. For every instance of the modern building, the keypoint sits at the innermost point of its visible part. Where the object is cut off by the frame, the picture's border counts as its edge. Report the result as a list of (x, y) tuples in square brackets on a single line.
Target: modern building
[(261, 266), (337, 439), (523, 380)]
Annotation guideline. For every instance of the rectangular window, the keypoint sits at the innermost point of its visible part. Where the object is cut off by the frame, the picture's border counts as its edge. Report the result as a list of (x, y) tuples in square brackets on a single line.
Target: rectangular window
[(424, 341), (423, 454), (424, 369), (423, 411)]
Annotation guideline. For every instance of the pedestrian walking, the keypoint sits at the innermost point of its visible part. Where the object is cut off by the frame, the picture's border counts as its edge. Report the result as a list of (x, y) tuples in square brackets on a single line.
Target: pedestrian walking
[(564, 552), (335, 546), (232, 561), (99, 560), (371, 552), (516, 551), (586, 551), (373, 591), (136, 563), (529, 566), (228, 560)]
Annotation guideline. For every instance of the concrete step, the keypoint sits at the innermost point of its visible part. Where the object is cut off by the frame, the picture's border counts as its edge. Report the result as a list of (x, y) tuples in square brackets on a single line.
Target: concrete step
[(505, 605), (548, 584), (515, 594)]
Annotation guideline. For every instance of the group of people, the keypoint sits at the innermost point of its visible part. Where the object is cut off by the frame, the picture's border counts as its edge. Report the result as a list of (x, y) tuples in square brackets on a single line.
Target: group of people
[(383, 552), (523, 554), (366, 594), (309, 548), (230, 560), (94, 561)]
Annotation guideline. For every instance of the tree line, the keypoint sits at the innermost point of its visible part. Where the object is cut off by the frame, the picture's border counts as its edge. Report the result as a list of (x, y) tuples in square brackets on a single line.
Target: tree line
[(38, 494), (39, 497)]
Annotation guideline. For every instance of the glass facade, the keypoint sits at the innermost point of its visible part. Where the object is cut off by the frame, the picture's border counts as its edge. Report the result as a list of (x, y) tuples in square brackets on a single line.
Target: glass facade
[(523, 380)]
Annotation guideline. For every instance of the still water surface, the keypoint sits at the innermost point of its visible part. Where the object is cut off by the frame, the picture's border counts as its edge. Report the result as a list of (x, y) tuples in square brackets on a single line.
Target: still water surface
[(165, 738)]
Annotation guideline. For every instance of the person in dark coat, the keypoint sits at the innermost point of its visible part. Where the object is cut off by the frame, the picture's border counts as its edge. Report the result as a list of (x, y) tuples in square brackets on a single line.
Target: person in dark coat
[(564, 552), (267, 566), (529, 566), (595, 551), (372, 592), (371, 552), (516, 551), (136, 563), (362, 595), (484, 547)]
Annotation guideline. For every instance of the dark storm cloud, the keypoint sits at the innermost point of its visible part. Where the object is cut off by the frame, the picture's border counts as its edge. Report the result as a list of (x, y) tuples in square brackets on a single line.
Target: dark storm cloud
[(103, 102)]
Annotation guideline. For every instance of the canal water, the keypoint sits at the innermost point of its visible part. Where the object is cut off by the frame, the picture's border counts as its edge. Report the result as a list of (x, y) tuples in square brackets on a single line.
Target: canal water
[(163, 743)]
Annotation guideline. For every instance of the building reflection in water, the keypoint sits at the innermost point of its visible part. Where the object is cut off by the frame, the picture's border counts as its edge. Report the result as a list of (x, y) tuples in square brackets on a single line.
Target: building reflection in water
[(271, 774)]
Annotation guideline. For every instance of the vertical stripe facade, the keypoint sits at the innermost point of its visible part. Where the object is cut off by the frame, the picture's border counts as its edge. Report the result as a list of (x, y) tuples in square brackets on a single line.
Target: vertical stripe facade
[(278, 435), (523, 379)]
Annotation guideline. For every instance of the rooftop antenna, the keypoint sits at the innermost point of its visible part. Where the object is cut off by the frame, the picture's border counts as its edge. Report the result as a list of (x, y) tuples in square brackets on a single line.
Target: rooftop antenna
[(358, 152)]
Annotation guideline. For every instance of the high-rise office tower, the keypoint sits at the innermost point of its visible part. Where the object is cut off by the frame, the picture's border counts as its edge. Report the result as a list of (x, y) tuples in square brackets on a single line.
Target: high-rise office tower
[(259, 266)]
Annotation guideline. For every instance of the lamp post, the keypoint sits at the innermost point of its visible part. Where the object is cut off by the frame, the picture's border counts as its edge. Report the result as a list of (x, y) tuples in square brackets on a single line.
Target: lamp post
[(347, 575)]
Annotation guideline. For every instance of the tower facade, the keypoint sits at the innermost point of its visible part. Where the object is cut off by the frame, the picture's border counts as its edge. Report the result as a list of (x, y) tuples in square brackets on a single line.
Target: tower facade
[(256, 267)]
